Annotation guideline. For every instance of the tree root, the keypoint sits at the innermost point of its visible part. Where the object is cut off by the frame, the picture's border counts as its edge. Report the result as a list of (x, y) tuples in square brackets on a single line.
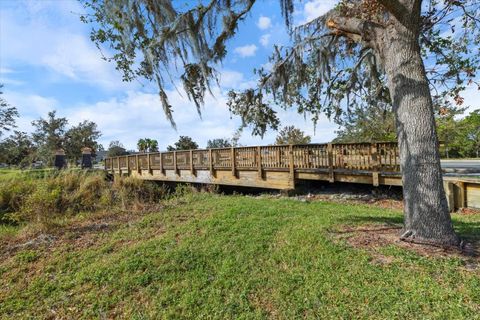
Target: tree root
[(463, 246)]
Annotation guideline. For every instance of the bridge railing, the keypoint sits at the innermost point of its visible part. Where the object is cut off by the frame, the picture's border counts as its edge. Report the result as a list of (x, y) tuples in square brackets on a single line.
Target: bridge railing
[(376, 157)]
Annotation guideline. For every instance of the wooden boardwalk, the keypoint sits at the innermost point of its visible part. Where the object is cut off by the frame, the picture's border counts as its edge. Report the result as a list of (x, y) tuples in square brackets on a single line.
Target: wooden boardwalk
[(274, 167)]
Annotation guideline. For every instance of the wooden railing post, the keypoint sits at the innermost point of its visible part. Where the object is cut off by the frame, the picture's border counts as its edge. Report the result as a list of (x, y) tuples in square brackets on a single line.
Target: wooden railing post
[(175, 162), (259, 164), (291, 165), (210, 165), (331, 173), (128, 165), (192, 169), (161, 164), (149, 165), (234, 171), (375, 164), (137, 164), (118, 165)]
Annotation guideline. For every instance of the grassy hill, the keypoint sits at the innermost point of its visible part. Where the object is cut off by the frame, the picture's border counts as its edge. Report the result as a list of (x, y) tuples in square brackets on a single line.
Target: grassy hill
[(204, 255)]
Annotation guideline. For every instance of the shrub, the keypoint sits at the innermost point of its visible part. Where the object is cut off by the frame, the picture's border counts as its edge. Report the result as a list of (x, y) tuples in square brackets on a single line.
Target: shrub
[(43, 197)]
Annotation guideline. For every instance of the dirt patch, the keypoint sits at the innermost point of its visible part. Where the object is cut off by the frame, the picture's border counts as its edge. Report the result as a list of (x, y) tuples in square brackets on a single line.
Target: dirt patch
[(469, 211), (79, 232), (373, 237)]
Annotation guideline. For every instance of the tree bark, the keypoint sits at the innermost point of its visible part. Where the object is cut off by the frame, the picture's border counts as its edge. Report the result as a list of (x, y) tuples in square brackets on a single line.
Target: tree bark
[(427, 218)]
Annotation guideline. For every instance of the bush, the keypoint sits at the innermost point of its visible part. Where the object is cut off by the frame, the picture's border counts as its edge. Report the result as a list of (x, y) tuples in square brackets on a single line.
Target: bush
[(39, 199)]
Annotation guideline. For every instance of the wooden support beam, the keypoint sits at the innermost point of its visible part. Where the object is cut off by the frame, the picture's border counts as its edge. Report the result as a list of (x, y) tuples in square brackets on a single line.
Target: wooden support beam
[(259, 162), (128, 165), (232, 155), (331, 173), (118, 165)]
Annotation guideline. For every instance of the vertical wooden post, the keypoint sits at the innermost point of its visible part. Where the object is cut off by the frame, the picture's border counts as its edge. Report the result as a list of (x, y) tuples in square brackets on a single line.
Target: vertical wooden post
[(161, 164), (278, 158), (291, 165), (192, 169), (149, 165), (128, 165), (118, 165), (331, 173), (462, 195), (234, 171), (137, 164), (259, 162), (210, 158), (376, 164), (175, 162)]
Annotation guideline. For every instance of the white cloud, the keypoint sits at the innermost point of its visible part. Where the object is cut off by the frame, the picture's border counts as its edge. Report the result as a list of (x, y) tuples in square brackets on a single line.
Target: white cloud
[(246, 51), (6, 70), (264, 22), (61, 45), (265, 39), (315, 8)]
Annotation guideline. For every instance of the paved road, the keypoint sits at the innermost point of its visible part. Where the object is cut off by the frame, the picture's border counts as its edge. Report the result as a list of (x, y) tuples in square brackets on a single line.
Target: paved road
[(470, 164), (461, 167)]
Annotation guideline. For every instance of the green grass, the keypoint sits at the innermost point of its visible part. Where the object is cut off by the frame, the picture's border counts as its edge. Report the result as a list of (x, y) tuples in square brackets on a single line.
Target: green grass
[(212, 256)]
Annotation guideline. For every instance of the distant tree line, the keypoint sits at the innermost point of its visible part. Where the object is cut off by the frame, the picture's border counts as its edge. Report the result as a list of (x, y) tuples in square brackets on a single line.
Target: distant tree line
[(50, 134), (459, 136)]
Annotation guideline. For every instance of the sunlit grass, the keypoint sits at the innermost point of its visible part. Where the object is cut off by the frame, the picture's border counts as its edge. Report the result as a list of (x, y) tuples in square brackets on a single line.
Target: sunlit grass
[(212, 256)]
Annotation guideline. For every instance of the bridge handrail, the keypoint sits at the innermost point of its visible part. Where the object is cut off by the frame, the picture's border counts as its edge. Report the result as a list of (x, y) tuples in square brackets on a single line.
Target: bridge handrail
[(375, 157)]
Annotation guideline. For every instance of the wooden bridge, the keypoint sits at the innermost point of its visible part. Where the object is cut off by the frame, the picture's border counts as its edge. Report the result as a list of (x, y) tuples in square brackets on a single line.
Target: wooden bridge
[(274, 167)]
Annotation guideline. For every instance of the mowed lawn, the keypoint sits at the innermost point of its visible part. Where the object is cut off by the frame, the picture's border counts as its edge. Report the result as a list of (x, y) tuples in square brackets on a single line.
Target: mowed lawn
[(235, 257)]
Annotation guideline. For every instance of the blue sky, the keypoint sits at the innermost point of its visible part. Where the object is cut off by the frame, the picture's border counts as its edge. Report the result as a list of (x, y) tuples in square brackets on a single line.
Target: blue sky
[(47, 62)]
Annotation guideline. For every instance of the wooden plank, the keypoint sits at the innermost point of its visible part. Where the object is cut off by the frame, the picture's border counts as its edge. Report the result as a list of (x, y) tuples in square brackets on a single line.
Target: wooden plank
[(472, 195)]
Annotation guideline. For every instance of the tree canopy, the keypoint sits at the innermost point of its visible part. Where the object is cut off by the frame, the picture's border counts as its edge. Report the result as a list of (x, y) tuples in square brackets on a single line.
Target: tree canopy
[(115, 149), (147, 145), (292, 135), (330, 67), (218, 143), (183, 143)]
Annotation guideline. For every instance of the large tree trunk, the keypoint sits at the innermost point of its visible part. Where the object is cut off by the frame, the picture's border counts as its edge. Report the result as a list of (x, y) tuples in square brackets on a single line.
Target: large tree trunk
[(427, 217)]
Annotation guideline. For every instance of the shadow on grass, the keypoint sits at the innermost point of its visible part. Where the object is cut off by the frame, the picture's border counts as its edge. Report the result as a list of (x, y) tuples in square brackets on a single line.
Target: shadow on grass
[(469, 231)]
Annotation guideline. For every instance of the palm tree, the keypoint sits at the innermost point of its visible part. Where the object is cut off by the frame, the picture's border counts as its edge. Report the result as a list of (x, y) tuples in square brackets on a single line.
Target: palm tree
[(142, 145)]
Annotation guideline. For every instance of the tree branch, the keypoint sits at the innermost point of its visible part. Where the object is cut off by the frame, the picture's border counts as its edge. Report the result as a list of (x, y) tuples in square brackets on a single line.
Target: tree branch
[(396, 8)]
